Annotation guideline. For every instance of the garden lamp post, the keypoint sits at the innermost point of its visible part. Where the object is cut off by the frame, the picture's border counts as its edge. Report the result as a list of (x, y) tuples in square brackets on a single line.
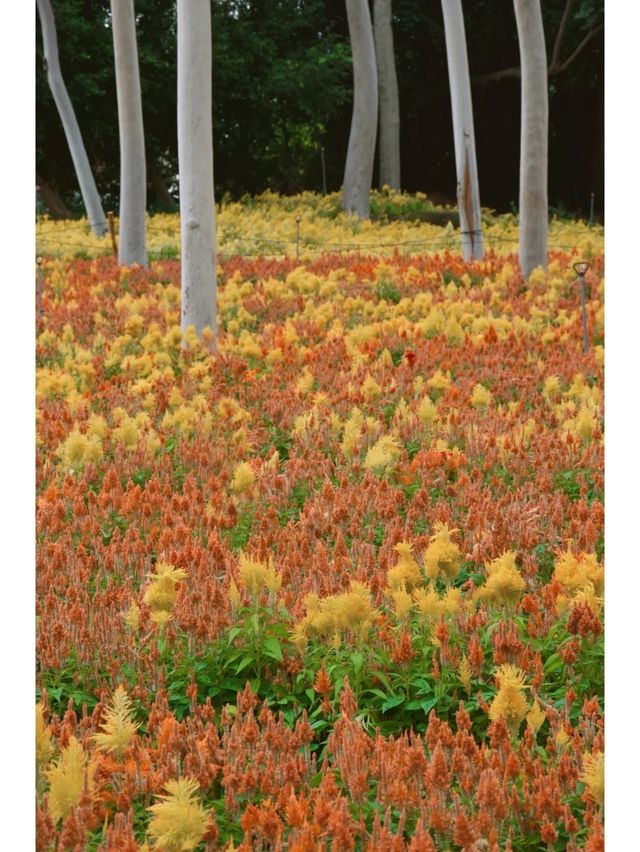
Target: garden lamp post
[(581, 269)]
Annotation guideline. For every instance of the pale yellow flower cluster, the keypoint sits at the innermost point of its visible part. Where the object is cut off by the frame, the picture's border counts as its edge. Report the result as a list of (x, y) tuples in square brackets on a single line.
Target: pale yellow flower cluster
[(331, 617)]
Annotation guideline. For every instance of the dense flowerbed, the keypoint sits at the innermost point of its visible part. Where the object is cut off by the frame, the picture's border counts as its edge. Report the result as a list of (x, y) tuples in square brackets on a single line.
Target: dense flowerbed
[(339, 586), (267, 225)]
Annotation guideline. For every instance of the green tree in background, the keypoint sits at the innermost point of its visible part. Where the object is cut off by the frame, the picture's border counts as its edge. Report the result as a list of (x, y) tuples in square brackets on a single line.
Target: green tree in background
[(282, 88)]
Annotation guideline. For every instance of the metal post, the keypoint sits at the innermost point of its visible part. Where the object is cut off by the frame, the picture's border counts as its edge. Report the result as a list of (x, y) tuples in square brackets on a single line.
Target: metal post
[(112, 231), (298, 237), (585, 335), (324, 172), (591, 208), (39, 289)]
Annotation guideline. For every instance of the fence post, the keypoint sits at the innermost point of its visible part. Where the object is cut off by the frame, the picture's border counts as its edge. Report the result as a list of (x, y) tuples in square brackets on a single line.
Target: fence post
[(581, 269), (112, 231), (298, 237), (39, 287)]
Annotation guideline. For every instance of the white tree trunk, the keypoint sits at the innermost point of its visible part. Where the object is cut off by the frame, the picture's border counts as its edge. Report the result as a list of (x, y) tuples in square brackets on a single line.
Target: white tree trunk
[(88, 190), (387, 95), (534, 136), (468, 192), (133, 174), (195, 164), (358, 170)]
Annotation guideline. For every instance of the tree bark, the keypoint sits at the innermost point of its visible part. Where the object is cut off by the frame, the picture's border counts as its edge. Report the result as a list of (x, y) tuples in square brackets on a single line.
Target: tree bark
[(195, 163), (389, 133), (358, 172), (468, 192), (534, 135), (88, 190), (132, 246), (52, 200)]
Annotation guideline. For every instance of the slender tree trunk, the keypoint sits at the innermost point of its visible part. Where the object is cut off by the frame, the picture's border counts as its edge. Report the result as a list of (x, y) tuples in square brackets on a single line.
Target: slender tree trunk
[(358, 171), (52, 200), (195, 163), (468, 192), (387, 95), (90, 197), (132, 247), (534, 137)]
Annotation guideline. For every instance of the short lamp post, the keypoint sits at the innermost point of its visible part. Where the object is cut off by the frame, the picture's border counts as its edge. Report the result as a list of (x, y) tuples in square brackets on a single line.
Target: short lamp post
[(39, 287), (581, 269)]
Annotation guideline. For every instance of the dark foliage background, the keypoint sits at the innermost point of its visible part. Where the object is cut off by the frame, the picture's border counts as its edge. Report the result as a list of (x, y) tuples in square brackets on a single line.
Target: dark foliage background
[(282, 90)]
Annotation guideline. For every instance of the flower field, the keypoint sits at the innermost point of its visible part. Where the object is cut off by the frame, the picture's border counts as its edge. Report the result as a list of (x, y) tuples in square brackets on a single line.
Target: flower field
[(339, 586)]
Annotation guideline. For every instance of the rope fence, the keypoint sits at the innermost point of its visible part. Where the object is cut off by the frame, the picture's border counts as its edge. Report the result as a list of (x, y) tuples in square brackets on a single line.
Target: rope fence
[(295, 247)]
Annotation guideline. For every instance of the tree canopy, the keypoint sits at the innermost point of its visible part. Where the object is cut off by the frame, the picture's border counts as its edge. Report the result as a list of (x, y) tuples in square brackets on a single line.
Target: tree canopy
[(282, 90)]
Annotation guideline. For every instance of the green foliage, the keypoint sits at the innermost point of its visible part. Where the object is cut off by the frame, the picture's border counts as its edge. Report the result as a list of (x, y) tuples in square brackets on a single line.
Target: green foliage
[(282, 89)]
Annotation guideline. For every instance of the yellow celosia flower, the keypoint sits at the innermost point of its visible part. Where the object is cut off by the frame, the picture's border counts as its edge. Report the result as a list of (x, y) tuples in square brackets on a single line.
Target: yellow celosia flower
[(383, 454), (429, 602), (243, 478), (118, 726), (370, 389), (179, 821), (72, 451), (305, 382), (406, 573), (551, 388), (593, 776), (570, 571), (464, 674), (67, 779), (234, 595), (427, 412), (132, 617), (509, 702), (504, 584), (162, 592), (402, 601), (127, 433), (439, 381), (327, 617), (352, 433), (257, 576), (161, 617), (442, 557), (481, 397), (584, 424), (536, 717), (44, 746)]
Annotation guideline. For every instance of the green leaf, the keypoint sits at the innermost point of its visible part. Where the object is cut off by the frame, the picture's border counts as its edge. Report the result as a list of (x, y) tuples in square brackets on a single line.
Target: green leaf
[(246, 661), (273, 649), (231, 635), (357, 659), (428, 704), (553, 663), (392, 701)]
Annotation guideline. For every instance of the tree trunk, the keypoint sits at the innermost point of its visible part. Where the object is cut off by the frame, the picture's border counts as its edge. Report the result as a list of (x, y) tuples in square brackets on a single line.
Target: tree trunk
[(468, 192), (358, 171), (52, 200), (132, 246), (90, 197), (533, 137), (195, 164), (387, 95)]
